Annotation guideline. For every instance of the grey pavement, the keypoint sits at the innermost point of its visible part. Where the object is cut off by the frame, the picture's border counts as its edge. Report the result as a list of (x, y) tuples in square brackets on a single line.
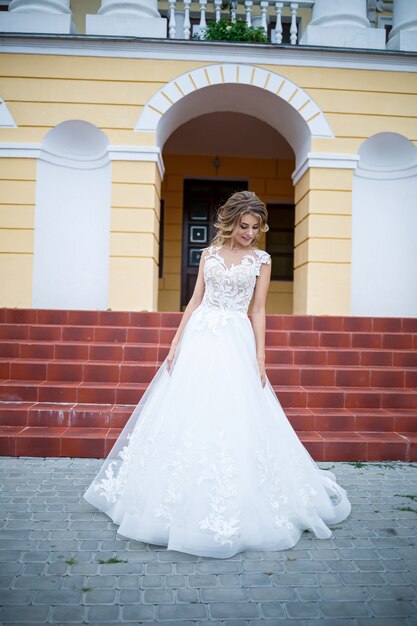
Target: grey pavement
[(62, 562)]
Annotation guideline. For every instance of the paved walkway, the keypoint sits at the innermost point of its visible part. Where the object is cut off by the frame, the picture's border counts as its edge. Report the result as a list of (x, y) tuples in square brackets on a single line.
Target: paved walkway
[(62, 562)]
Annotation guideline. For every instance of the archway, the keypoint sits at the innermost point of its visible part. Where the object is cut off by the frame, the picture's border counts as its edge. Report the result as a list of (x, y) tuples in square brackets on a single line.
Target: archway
[(384, 223), (234, 90), (72, 219)]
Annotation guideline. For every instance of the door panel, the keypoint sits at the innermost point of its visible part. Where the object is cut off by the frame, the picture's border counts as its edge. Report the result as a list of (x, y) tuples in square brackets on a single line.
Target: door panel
[(202, 198)]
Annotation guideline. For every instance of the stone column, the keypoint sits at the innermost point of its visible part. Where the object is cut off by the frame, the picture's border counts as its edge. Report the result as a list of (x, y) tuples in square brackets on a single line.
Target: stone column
[(38, 16), (343, 24), (134, 18), (323, 232), (404, 28)]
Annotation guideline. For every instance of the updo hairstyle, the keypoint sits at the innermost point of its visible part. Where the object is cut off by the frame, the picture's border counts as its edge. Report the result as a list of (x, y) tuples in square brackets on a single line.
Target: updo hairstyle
[(230, 214)]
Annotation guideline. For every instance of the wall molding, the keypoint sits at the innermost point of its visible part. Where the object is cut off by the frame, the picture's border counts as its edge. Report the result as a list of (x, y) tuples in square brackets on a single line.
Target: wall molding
[(323, 160), (113, 153), (166, 49)]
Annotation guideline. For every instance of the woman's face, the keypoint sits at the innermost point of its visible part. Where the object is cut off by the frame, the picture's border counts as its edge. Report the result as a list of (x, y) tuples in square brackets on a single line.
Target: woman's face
[(246, 230)]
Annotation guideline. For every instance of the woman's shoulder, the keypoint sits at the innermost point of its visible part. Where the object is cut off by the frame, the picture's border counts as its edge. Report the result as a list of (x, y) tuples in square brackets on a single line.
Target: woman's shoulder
[(263, 256)]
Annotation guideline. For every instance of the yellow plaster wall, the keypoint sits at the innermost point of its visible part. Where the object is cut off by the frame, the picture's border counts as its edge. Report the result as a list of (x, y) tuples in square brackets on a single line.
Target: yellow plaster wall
[(134, 236), (42, 91), (323, 233), (268, 178), (17, 209)]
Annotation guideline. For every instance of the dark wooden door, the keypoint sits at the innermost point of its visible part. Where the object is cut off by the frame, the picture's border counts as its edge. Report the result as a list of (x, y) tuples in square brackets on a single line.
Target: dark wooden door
[(202, 198)]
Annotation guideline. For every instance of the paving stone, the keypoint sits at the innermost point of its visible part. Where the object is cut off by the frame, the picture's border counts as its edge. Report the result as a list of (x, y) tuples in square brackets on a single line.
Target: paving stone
[(224, 595), (133, 596), (181, 611), (300, 610), (157, 596), (60, 596), (381, 608), (100, 596), (226, 610), (203, 580), (63, 614), (256, 580), (103, 613), (24, 614), (365, 574), (344, 609)]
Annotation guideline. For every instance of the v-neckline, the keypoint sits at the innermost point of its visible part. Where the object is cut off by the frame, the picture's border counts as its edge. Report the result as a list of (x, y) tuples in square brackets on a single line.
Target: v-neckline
[(233, 265)]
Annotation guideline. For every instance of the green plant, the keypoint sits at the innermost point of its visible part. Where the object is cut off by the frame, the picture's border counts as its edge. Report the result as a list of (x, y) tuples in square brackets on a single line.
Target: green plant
[(71, 561), (111, 560), (226, 30)]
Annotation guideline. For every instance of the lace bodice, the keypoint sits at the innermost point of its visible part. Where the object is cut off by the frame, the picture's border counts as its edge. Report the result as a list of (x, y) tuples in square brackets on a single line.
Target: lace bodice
[(231, 289)]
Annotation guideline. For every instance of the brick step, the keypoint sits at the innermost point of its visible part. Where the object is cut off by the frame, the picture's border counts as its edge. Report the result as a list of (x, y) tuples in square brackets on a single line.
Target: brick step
[(168, 319), (163, 335), (130, 393), (116, 416), (142, 372), (97, 442), (156, 352)]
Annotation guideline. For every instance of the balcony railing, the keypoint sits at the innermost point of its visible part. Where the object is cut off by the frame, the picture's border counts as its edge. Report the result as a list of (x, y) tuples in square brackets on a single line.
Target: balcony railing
[(184, 21)]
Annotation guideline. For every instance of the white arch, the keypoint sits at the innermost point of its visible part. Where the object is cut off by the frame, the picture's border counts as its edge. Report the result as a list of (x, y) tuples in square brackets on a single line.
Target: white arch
[(72, 219), (384, 223), (263, 94)]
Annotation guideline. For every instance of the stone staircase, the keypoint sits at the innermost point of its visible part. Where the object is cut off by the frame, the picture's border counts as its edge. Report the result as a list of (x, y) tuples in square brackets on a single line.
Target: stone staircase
[(69, 380)]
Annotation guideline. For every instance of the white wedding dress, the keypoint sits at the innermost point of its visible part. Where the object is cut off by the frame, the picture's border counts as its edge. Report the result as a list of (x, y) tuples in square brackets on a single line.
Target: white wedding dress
[(208, 463)]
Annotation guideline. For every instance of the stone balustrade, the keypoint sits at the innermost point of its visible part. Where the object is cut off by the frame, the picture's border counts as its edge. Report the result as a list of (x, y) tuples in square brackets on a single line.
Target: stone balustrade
[(336, 23)]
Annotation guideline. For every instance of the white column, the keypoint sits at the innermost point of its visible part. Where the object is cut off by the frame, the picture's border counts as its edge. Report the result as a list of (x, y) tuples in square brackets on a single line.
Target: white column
[(134, 18), (344, 24), (38, 16), (404, 26)]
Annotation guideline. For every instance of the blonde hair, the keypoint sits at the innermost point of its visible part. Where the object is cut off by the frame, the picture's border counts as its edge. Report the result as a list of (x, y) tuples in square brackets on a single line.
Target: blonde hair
[(230, 214)]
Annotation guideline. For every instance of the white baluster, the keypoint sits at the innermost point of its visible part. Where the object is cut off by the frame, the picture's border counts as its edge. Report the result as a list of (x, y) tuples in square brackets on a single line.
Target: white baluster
[(187, 23), (203, 23), (343, 23), (218, 9), (248, 12), (278, 27), (37, 16), (264, 9), (233, 10), (137, 18), (293, 29), (172, 27)]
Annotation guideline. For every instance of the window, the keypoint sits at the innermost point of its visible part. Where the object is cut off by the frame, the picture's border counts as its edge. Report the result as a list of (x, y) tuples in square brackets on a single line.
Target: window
[(280, 240)]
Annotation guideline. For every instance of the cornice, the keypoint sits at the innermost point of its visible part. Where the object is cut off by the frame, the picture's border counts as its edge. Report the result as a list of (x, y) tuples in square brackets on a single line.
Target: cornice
[(168, 49)]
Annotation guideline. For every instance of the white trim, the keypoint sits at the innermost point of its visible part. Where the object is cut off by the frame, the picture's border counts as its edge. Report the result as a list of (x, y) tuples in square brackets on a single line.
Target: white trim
[(165, 49), (138, 153), (6, 118), (10, 149), (229, 73), (331, 160), (387, 173)]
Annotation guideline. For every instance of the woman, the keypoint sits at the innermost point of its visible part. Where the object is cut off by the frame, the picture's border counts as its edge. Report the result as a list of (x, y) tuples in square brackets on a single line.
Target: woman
[(208, 463)]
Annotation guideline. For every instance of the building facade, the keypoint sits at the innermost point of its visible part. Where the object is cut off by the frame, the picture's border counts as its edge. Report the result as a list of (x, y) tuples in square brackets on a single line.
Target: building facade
[(120, 135)]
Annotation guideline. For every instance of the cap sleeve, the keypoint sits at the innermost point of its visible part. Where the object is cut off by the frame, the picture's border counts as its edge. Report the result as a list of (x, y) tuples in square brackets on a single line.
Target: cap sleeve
[(263, 258)]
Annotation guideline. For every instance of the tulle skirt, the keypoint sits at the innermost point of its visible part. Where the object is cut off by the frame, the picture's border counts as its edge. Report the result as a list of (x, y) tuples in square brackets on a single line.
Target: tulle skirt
[(208, 463)]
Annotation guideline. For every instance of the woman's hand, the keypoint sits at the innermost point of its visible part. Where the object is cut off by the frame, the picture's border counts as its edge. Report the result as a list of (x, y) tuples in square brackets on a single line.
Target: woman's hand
[(171, 356), (262, 372)]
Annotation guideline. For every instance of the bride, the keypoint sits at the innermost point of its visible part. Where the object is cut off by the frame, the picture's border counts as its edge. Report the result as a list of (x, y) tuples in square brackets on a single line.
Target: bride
[(208, 463)]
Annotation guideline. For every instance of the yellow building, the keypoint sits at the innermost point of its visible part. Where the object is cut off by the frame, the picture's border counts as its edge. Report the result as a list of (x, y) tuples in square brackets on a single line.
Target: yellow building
[(120, 134)]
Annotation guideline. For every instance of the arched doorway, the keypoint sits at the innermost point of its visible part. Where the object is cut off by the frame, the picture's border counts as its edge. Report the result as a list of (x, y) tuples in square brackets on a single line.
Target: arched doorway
[(269, 99), (72, 219), (384, 223)]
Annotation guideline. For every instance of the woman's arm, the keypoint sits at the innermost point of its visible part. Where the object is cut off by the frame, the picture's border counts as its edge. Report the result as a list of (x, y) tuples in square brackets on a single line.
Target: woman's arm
[(194, 302), (258, 317)]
